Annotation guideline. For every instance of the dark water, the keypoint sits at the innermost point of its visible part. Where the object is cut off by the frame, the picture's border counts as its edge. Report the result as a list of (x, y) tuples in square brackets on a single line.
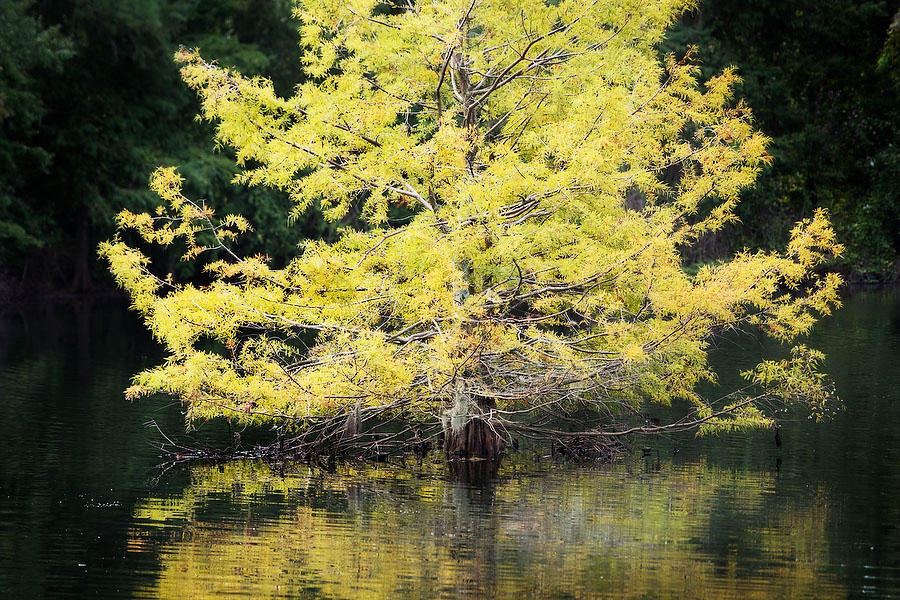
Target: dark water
[(84, 512)]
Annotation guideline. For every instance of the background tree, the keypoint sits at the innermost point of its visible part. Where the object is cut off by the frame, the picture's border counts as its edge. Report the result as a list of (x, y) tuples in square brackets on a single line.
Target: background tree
[(93, 103), (820, 87), (550, 171), (27, 48)]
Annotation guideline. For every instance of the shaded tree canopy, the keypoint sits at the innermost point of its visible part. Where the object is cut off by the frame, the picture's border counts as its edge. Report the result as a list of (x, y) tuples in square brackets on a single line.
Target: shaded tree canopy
[(823, 85), (92, 103), (26, 48)]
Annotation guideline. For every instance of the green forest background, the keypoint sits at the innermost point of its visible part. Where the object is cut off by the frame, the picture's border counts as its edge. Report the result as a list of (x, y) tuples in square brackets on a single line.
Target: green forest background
[(91, 102)]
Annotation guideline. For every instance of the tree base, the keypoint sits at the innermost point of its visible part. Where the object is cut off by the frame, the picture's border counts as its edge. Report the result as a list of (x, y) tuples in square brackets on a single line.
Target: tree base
[(475, 440)]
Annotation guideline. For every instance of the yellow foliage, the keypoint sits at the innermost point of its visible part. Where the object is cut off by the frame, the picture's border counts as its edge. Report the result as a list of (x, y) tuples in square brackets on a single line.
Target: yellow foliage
[(555, 170), (344, 535)]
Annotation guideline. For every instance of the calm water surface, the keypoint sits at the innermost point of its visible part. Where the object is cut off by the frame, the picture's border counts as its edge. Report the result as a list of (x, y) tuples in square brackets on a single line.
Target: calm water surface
[(85, 512)]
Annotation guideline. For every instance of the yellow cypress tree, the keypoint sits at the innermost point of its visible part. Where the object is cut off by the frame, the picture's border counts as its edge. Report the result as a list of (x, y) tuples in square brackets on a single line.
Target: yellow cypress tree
[(552, 170)]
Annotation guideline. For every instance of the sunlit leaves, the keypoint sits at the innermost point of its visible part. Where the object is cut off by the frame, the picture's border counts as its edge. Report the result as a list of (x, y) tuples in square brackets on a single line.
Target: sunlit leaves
[(519, 181)]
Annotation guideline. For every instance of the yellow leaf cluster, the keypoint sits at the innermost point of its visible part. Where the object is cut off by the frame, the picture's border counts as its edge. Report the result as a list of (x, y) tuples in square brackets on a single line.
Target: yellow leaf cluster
[(552, 170)]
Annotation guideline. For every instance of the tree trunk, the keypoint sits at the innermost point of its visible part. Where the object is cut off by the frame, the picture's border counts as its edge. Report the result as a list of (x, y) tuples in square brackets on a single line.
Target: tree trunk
[(467, 434), (475, 440)]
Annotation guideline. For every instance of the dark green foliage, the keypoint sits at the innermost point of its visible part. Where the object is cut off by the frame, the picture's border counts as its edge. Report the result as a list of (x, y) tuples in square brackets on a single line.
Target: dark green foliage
[(811, 73), (889, 61), (253, 36), (103, 106), (28, 51)]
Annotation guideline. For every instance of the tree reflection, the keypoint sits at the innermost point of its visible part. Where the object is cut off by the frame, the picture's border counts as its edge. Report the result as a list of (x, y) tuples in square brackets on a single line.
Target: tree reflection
[(684, 531)]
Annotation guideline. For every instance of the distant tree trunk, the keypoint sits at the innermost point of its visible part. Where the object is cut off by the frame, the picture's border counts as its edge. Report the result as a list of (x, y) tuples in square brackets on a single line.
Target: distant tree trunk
[(81, 278)]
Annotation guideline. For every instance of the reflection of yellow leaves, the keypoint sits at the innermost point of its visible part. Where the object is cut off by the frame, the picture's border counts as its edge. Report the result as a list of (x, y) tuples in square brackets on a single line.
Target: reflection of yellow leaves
[(160, 510), (138, 540), (384, 533)]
